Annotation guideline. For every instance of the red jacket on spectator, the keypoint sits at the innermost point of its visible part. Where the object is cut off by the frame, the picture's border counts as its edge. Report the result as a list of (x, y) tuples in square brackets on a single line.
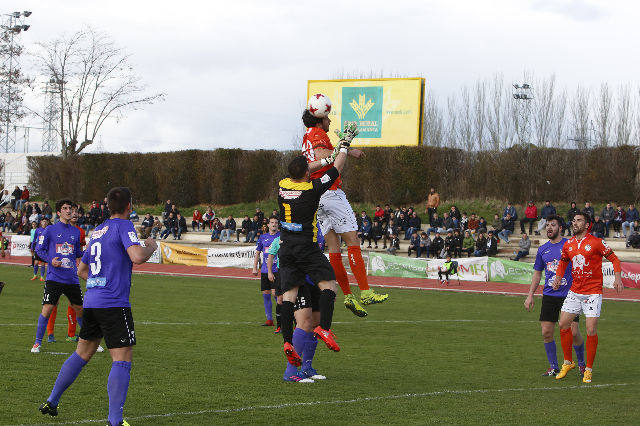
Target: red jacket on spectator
[(25, 194), (531, 212), (379, 214), (197, 216)]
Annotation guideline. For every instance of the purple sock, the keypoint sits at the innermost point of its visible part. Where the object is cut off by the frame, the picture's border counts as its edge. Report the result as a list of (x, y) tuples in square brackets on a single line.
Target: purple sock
[(42, 327), (35, 269), (42, 271), (309, 351), (580, 354), (551, 354), (267, 306), (68, 373), (117, 387)]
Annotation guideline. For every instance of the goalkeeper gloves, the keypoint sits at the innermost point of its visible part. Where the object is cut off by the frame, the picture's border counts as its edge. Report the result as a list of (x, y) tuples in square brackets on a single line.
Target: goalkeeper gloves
[(348, 133)]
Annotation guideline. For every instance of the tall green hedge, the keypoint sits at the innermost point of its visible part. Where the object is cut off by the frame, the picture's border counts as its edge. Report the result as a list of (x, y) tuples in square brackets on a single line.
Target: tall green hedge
[(395, 175)]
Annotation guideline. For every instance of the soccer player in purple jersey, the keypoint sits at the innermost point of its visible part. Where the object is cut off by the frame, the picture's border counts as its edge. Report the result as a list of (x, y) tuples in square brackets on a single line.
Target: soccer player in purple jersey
[(547, 260), (267, 287), (59, 245), (38, 263), (106, 265)]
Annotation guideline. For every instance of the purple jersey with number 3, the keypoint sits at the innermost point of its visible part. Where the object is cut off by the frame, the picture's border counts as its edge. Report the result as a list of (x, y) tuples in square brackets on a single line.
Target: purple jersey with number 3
[(109, 279)]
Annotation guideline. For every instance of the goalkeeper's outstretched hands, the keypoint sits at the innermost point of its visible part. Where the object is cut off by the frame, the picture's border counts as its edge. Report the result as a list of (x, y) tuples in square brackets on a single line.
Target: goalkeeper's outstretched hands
[(348, 133)]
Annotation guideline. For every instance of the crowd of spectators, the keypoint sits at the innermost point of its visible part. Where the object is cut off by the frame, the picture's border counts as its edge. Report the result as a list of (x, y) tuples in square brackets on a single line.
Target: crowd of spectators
[(455, 233)]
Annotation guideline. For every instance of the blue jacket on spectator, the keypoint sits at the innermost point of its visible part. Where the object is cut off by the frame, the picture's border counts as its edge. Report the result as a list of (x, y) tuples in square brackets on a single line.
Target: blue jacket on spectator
[(512, 211), (632, 215), (366, 225), (548, 211)]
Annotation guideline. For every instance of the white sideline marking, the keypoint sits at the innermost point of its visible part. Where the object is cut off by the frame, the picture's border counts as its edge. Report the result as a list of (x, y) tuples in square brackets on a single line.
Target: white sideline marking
[(347, 401)]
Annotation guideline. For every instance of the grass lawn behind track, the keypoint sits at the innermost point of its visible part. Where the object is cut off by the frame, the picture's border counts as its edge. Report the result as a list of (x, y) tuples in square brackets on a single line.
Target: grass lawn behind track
[(422, 357)]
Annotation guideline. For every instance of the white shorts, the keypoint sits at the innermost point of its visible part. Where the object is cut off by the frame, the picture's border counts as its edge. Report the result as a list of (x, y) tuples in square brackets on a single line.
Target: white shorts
[(587, 304), (335, 212)]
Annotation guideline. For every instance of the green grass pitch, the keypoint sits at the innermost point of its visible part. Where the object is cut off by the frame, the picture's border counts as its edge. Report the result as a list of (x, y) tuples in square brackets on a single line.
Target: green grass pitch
[(423, 357)]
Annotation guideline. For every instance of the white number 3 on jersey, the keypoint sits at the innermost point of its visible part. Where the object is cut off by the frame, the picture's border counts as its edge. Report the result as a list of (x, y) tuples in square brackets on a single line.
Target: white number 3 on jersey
[(96, 265)]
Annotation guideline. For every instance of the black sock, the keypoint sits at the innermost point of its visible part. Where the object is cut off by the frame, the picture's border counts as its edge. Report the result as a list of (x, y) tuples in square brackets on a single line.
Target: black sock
[(286, 312), (278, 310), (327, 299)]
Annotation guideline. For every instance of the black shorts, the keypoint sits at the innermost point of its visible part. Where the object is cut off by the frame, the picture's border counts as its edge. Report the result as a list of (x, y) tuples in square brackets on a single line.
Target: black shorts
[(308, 297), (53, 290), (550, 310), (299, 259), (38, 258), (115, 325), (266, 285)]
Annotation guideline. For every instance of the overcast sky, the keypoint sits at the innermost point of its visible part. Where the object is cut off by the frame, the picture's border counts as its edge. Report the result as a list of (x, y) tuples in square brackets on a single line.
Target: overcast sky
[(234, 73)]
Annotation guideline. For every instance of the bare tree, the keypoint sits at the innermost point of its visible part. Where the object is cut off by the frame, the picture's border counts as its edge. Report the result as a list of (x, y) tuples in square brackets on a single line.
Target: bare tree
[(544, 110), (580, 118), (480, 113), (623, 127), (95, 83), (433, 128), (602, 116), (451, 138), (558, 128), (464, 128)]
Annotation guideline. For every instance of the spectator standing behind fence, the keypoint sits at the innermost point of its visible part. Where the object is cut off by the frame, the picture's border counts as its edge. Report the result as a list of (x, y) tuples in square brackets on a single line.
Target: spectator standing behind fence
[(547, 210), (481, 245), (631, 216), (492, 244), (530, 217), (425, 245), (433, 202), (573, 210), (196, 220), (607, 218), (598, 228), (524, 246), (229, 229), (507, 228), (511, 210)]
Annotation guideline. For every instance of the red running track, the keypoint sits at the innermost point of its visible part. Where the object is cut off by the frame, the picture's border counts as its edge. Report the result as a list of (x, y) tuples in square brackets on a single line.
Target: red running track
[(628, 294)]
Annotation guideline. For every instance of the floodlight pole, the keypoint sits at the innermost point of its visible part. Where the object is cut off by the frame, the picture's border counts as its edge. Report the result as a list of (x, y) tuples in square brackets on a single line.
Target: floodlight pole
[(522, 95), (14, 25)]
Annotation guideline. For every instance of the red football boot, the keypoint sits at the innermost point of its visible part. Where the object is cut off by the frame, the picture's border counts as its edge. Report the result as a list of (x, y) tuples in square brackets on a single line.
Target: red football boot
[(327, 337), (292, 355)]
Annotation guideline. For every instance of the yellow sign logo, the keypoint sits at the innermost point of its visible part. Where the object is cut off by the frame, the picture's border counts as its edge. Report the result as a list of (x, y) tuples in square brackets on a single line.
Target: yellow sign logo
[(361, 108)]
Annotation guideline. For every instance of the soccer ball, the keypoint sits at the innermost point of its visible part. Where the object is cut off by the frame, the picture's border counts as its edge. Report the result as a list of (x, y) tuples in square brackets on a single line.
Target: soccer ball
[(319, 105)]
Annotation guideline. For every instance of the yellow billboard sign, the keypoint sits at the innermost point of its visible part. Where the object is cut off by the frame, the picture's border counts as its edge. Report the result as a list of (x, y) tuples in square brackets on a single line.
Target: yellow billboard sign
[(183, 255), (388, 110)]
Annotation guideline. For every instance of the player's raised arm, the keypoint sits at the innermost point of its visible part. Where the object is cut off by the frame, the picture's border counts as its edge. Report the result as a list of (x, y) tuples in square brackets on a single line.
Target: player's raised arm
[(562, 267)]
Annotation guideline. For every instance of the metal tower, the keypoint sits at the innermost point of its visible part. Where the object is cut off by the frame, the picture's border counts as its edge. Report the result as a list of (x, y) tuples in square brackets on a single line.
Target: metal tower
[(51, 116)]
